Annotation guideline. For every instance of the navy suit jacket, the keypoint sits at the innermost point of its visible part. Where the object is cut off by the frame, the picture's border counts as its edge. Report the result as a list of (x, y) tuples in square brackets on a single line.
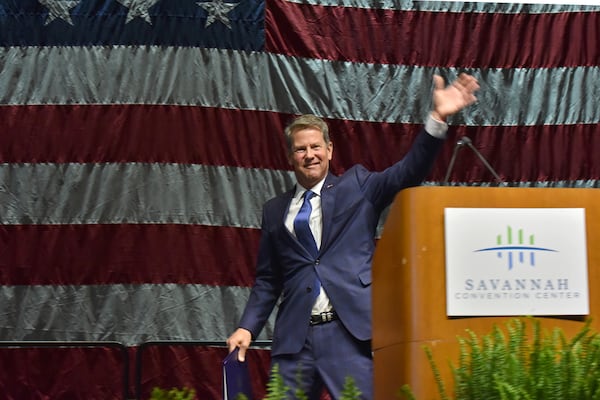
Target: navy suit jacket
[(351, 207)]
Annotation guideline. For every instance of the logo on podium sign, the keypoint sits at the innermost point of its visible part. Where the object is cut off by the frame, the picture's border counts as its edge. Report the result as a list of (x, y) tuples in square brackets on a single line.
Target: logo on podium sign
[(516, 261), (516, 247)]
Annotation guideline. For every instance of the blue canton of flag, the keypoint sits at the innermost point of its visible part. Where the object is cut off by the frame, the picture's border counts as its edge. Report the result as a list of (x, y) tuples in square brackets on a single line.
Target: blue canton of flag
[(237, 25)]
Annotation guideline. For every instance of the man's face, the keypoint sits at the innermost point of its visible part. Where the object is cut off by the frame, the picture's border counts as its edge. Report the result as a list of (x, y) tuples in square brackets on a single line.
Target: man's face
[(310, 156)]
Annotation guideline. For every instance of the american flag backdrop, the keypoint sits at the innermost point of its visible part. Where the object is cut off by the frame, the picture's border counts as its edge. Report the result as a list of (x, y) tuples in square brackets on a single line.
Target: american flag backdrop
[(140, 138)]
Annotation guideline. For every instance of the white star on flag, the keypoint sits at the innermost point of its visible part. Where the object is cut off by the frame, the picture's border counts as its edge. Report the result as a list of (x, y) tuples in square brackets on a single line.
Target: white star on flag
[(217, 10), (138, 8), (59, 9)]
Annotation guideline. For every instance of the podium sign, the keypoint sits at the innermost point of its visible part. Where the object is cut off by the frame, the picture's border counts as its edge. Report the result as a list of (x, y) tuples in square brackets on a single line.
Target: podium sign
[(410, 277), (516, 261)]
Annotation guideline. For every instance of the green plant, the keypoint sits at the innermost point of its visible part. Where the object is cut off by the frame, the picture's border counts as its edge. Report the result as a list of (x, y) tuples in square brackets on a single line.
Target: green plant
[(350, 390), (512, 367), (172, 394), (277, 390), (299, 393)]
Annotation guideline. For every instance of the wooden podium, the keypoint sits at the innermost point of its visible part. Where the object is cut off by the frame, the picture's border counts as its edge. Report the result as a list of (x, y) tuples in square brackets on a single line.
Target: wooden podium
[(409, 285)]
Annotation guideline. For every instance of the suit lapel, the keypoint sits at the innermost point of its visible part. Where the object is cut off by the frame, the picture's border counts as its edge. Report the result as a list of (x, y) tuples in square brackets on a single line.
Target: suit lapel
[(281, 213), (328, 193)]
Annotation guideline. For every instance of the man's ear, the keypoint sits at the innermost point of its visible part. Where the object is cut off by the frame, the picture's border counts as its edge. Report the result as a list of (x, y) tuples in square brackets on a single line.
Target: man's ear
[(330, 150)]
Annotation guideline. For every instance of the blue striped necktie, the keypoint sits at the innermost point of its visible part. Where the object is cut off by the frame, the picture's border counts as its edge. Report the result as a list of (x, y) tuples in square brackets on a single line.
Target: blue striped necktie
[(304, 234), (302, 227)]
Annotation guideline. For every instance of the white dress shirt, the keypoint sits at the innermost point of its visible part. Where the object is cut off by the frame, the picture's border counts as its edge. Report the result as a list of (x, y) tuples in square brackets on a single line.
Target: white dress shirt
[(322, 303)]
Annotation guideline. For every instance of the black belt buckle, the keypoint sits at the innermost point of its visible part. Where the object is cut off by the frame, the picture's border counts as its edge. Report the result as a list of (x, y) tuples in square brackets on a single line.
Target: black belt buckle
[(323, 317)]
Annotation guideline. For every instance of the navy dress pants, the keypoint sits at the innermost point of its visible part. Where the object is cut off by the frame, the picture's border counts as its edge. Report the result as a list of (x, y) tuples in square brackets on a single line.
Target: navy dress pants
[(329, 356)]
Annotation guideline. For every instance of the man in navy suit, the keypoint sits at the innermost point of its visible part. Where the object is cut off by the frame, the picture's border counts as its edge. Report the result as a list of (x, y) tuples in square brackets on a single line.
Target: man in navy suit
[(323, 325)]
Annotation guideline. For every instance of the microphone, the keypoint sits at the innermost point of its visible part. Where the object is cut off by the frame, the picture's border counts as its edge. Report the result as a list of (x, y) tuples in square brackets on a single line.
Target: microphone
[(459, 143), (463, 140), (466, 141)]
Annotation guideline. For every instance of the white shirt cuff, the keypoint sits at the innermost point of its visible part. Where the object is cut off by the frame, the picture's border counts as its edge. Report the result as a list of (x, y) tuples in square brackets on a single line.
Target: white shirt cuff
[(435, 127)]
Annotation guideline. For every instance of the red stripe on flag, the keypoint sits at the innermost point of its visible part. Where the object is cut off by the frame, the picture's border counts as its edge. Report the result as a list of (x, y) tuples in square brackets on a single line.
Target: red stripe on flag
[(62, 373), (537, 153), (432, 38), (185, 135), (546, 153), (99, 372), (127, 254), (198, 367), (142, 133), (213, 136)]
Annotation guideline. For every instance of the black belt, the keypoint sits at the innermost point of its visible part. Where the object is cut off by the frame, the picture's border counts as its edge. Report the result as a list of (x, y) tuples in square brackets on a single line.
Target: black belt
[(323, 317)]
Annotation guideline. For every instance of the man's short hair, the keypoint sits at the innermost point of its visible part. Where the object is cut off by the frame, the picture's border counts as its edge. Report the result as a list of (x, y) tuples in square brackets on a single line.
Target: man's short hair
[(303, 122)]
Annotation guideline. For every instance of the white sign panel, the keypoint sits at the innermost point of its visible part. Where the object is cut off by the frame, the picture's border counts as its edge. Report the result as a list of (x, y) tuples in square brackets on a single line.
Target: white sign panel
[(516, 261)]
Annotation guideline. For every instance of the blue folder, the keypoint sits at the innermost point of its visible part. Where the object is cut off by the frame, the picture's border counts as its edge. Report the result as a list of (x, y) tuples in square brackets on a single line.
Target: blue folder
[(236, 378)]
